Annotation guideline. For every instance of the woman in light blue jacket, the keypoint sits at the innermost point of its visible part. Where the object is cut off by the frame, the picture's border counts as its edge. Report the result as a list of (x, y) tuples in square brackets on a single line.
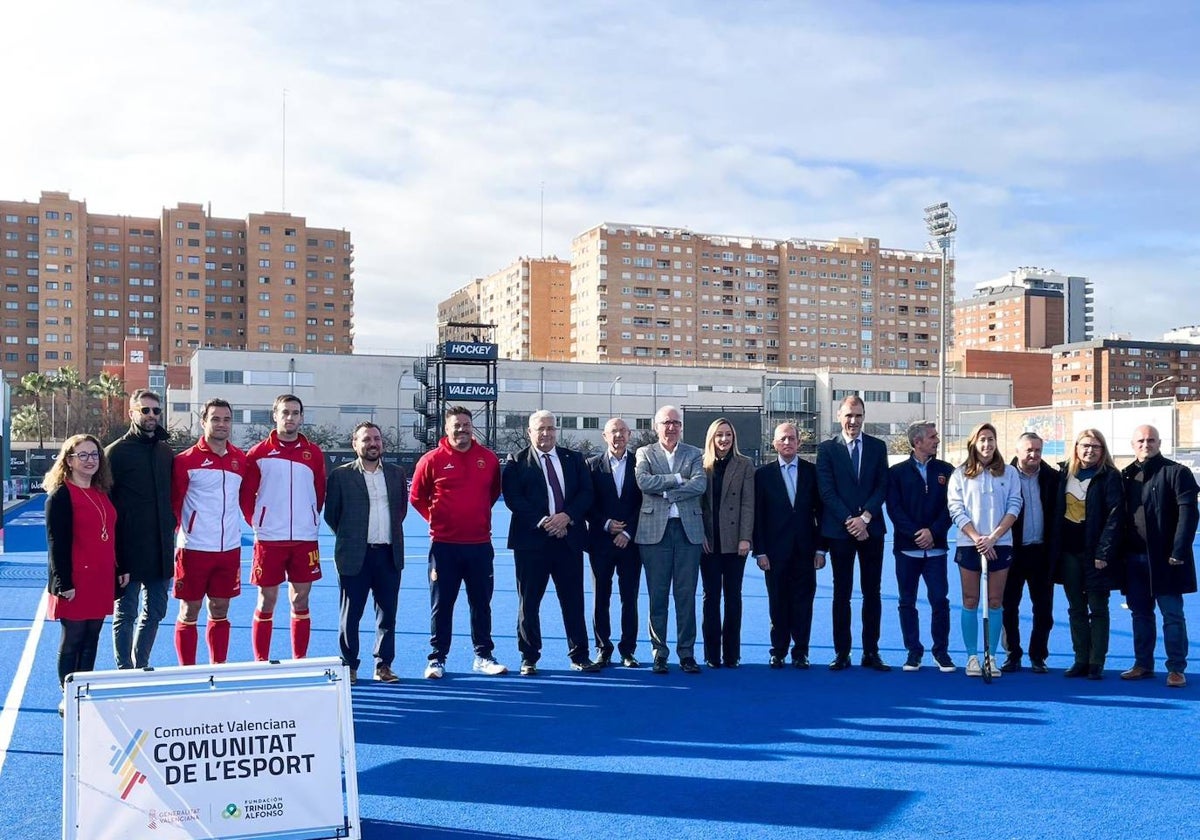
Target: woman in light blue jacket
[(984, 499)]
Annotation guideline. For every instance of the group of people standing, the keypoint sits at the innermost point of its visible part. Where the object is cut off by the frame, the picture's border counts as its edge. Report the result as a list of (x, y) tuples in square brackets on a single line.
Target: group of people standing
[(122, 522)]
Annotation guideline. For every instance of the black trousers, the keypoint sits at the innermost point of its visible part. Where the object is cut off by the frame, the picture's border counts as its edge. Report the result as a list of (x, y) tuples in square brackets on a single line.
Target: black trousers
[(77, 650), (722, 574), (379, 577), (870, 571), (627, 564), (791, 588), (1030, 568), (450, 566), (534, 569)]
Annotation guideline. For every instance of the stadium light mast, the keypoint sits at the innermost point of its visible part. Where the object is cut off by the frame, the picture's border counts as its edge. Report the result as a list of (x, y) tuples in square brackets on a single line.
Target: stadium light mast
[(942, 225)]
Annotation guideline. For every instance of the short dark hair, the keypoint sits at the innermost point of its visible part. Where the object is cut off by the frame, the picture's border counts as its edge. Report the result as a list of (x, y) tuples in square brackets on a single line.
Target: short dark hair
[(455, 410), (366, 424), (143, 392), (286, 398), (215, 402)]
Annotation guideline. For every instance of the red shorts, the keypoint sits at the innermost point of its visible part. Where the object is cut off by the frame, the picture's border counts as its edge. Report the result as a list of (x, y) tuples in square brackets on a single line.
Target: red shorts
[(217, 574), (298, 562)]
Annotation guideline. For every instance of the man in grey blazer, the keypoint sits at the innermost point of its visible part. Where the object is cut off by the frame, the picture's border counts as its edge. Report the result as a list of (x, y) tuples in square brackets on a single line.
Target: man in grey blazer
[(366, 501), (670, 532)]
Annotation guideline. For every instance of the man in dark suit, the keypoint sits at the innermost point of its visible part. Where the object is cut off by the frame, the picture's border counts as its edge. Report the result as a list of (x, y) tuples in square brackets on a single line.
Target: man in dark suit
[(917, 505), (549, 491), (788, 542), (366, 501), (852, 477), (612, 524), (670, 474), (1031, 557)]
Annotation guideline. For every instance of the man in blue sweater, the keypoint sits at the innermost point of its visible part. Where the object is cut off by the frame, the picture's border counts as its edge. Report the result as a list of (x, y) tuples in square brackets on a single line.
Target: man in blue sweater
[(916, 504)]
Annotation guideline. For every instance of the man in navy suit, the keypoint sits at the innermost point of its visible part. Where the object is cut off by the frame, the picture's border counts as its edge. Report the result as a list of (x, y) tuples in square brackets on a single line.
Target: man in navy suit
[(549, 491), (788, 542), (612, 524), (852, 477)]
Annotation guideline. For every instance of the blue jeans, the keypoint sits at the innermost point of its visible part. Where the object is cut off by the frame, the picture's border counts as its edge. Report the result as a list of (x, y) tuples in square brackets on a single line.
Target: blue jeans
[(909, 572), (132, 646), (1141, 599)]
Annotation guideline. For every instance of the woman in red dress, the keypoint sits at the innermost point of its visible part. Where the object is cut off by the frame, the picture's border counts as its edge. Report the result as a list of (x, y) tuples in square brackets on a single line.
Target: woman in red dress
[(80, 523)]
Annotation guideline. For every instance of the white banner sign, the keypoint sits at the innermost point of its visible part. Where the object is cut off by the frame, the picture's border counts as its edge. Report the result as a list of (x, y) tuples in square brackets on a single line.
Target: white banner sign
[(261, 760)]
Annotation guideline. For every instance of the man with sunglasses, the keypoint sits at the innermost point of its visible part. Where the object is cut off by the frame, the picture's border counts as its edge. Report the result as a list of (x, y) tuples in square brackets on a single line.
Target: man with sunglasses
[(141, 464)]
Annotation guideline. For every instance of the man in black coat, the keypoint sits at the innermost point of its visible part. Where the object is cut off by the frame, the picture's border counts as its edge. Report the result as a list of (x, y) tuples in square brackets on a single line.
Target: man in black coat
[(612, 523), (549, 491), (1160, 503), (852, 477), (141, 463), (788, 544), (1031, 557), (366, 501)]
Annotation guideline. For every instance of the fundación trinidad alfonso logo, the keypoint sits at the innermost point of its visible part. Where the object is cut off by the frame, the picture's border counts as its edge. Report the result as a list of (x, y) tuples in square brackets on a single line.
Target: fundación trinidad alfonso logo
[(123, 763), (231, 812)]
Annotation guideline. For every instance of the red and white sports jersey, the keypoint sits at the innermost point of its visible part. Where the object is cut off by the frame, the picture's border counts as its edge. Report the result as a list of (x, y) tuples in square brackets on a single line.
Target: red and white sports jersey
[(205, 493), (283, 490)]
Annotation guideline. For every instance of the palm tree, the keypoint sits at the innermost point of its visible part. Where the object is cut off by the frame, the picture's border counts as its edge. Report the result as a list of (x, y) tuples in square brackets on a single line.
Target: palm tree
[(37, 385), (107, 387), (27, 423), (68, 380)]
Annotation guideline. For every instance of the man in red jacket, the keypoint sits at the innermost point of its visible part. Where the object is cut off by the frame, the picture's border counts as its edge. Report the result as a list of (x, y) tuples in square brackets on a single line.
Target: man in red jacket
[(454, 488), (282, 494), (205, 496)]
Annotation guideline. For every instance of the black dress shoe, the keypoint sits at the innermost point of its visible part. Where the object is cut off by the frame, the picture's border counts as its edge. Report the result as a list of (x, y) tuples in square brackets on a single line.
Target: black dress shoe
[(604, 658), (775, 661), (1012, 664), (689, 666), (1038, 666), (587, 666), (872, 661), (800, 662), (1095, 672), (732, 663), (712, 663), (840, 663), (1079, 669), (660, 665), (630, 662)]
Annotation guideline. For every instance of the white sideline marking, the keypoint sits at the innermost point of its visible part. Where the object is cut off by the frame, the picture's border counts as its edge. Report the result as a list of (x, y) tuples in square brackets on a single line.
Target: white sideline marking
[(16, 692)]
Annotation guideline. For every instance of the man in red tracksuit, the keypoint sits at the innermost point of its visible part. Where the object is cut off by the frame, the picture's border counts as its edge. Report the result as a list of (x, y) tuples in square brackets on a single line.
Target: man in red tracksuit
[(454, 488), (205, 489), (282, 495)]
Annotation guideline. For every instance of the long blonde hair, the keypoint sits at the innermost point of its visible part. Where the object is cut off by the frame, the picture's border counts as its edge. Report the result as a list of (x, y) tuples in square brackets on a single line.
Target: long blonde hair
[(973, 466), (710, 449), (60, 470), (1073, 463)]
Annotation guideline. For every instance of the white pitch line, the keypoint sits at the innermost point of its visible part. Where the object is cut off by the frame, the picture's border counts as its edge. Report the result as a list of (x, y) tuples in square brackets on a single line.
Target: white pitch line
[(16, 692)]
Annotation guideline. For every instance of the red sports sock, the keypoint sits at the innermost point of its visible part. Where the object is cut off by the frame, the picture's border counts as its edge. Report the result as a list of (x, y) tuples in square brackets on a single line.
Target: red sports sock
[(217, 636), (186, 639), (260, 635), (301, 630)]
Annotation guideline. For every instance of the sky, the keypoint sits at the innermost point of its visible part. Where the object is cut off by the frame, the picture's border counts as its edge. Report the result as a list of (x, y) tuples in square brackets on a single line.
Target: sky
[(453, 138)]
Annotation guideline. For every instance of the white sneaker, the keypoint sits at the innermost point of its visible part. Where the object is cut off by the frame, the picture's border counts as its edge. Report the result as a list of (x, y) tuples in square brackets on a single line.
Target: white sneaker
[(994, 670), (973, 669), (435, 670), (489, 666)]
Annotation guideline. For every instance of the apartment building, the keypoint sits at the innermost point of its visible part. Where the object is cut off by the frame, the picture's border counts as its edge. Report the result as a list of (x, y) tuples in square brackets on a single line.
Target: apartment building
[(1010, 320), (1114, 370), (77, 284), (1077, 296)]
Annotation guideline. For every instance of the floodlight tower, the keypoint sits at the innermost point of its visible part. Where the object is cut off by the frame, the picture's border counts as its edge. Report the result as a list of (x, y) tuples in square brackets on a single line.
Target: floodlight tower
[(942, 224)]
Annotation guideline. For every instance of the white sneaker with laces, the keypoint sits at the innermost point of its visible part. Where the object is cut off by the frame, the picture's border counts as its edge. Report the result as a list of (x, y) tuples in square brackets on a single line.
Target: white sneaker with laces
[(973, 668), (994, 670), (489, 666), (435, 670)]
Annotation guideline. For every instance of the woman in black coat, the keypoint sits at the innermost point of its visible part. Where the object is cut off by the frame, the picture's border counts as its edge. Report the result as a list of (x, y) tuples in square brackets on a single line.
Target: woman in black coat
[(1087, 547)]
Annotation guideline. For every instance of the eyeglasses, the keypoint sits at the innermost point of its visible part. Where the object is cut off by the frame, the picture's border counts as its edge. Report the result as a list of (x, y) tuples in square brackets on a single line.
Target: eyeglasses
[(149, 409), (86, 456), (1090, 445), (670, 422)]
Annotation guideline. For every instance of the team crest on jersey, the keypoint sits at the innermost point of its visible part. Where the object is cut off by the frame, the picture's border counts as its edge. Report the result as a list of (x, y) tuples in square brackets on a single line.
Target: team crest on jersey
[(234, 464), (479, 463), (942, 480), (306, 455)]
